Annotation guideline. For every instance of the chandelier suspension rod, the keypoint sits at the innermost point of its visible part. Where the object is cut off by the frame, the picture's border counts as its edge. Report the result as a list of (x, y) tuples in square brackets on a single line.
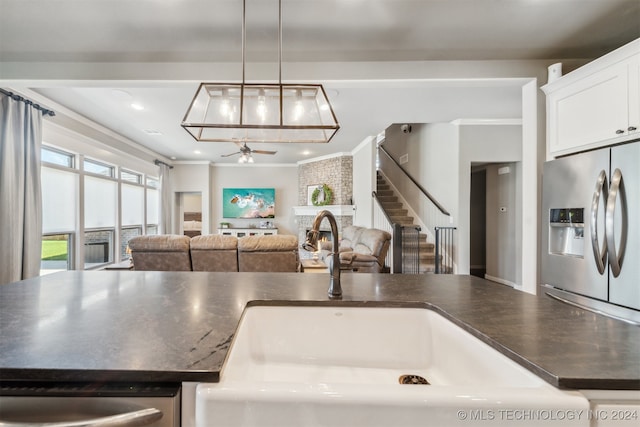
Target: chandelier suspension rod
[(280, 42), (244, 42), (244, 37), (280, 60)]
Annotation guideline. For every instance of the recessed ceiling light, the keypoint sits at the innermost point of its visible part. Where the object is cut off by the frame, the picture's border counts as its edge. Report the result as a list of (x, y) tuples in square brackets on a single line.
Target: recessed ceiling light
[(197, 151), (173, 157), (137, 106), (306, 152), (153, 132)]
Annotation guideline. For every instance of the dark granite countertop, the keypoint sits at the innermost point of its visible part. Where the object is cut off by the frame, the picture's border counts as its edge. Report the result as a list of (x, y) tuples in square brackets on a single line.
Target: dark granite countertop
[(177, 326)]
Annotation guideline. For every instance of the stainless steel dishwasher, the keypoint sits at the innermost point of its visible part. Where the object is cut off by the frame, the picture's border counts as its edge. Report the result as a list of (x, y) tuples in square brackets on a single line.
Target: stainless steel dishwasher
[(86, 405)]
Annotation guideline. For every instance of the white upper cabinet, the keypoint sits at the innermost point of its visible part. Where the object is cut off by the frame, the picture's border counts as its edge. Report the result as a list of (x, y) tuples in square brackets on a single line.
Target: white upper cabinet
[(596, 105)]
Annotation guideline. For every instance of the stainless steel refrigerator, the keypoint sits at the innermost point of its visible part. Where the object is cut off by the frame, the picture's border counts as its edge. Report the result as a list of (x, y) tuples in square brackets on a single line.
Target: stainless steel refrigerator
[(591, 230)]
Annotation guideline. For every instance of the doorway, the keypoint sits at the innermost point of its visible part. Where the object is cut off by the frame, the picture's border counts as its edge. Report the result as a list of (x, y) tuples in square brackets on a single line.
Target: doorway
[(478, 222), (494, 212), (189, 213)]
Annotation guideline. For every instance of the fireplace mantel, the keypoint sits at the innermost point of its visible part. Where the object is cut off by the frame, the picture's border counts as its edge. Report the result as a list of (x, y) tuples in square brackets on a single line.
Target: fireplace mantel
[(336, 210)]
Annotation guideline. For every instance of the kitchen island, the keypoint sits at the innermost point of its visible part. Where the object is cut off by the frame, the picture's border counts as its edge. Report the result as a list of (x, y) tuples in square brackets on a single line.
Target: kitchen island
[(119, 326)]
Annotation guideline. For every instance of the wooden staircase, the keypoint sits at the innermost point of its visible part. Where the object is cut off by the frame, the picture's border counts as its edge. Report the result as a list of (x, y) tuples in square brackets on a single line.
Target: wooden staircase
[(398, 214)]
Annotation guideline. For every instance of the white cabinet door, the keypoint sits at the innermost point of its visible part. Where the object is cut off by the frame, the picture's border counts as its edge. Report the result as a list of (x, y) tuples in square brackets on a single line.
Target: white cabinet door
[(590, 110), (634, 98)]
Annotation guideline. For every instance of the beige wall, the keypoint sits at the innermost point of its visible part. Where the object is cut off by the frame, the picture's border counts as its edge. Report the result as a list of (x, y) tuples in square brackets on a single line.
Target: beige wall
[(210, 179), (284, 178)]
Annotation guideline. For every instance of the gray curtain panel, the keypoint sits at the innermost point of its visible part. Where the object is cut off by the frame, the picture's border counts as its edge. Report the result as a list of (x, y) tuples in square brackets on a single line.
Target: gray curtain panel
[(165, 199), (20, 190)]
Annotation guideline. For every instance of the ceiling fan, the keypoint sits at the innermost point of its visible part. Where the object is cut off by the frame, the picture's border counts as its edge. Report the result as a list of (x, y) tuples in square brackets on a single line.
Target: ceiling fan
[(246, 153)]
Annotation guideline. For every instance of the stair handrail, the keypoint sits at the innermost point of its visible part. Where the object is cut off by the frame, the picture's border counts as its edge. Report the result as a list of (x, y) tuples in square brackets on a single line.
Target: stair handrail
[(416, 183)]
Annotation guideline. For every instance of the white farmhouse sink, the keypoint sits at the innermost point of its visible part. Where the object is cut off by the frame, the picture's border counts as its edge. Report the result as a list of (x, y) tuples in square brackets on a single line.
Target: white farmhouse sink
[(331, 366)]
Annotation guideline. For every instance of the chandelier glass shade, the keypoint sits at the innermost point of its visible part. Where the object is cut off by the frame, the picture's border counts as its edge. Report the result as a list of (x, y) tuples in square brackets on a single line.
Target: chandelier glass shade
[(260, 112)]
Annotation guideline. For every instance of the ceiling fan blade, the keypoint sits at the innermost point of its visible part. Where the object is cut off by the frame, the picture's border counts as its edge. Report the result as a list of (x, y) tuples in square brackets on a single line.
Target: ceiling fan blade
[(263, 152), (232, 154)]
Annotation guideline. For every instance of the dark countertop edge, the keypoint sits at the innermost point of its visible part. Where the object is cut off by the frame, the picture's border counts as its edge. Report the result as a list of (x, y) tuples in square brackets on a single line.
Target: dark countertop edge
[(597, 384), (45, 375)]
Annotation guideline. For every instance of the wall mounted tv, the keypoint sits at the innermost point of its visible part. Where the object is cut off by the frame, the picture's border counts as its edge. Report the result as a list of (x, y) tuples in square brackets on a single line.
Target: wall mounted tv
[(248, 202)]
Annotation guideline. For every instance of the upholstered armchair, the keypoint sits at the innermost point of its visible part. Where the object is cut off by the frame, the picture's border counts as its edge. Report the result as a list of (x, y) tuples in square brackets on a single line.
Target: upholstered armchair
[(214, 252), (276, 253), (364, 249), (165, 252)]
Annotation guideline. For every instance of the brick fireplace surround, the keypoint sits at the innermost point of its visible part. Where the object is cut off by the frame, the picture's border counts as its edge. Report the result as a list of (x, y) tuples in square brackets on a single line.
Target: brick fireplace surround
[(337, 173)]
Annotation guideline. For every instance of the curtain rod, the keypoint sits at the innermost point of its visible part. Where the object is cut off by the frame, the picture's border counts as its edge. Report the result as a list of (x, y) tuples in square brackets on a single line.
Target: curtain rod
[(45, 111), (160, 162)]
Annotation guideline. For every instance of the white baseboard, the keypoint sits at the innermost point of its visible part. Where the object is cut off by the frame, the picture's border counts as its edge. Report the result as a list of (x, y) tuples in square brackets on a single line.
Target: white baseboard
[(499, 280)]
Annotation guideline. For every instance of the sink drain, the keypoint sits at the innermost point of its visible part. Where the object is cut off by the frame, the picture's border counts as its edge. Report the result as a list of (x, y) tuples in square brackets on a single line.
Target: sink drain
[(412, 379)]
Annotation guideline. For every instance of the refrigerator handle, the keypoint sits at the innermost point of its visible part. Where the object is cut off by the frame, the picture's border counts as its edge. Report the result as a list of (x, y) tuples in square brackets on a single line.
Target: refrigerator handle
[(617, 187), (600, 191)]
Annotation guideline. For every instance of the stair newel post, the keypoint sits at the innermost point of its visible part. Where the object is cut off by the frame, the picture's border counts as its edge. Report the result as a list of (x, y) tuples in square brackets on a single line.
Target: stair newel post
[(397, 248), (437, 250)]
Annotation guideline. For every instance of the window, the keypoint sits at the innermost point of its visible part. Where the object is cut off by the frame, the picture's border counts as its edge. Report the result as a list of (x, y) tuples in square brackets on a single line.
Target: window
[(98, 168), (153, 210), (127, 234), (117, 204), (59, 200), (132, 215), (99, 220), (136, 178), (59, 218), (98, 248), (57, 157), (56, 253)]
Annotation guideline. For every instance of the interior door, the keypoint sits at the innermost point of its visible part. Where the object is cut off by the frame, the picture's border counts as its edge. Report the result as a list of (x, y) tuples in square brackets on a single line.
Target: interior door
[(624, 212)]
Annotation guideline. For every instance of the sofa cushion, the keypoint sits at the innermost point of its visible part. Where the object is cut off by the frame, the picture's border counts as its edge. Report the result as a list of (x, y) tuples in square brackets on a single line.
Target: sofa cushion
[(277, 253), (160, 243), (214, 252), (278, 242), (214, 242), (351, 257), (164, 252)]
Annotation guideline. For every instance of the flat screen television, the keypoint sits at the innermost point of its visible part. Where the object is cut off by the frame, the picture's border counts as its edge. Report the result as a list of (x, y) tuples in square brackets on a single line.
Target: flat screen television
[(248, 202)]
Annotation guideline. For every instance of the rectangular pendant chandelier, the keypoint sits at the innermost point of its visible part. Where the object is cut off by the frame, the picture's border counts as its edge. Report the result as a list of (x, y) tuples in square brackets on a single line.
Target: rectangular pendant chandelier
[(260, 112)]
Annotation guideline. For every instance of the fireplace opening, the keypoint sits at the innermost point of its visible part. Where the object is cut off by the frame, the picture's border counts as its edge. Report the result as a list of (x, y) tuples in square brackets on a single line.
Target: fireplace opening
[(323, 235), (324, 244)]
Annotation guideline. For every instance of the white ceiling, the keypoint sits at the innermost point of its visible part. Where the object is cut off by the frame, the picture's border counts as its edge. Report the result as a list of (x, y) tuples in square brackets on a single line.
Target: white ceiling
[(76, 52)]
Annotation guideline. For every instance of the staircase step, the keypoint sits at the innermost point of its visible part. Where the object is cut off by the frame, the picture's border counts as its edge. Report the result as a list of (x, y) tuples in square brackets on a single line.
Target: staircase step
[(385, 199), (396, 212), (427, 258), (385, 193), (404, 220), (391, 205), (427, 247)]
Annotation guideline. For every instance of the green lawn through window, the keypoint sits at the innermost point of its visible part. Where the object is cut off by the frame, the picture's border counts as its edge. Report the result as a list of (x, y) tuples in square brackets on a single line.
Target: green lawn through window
[(54, 250)]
